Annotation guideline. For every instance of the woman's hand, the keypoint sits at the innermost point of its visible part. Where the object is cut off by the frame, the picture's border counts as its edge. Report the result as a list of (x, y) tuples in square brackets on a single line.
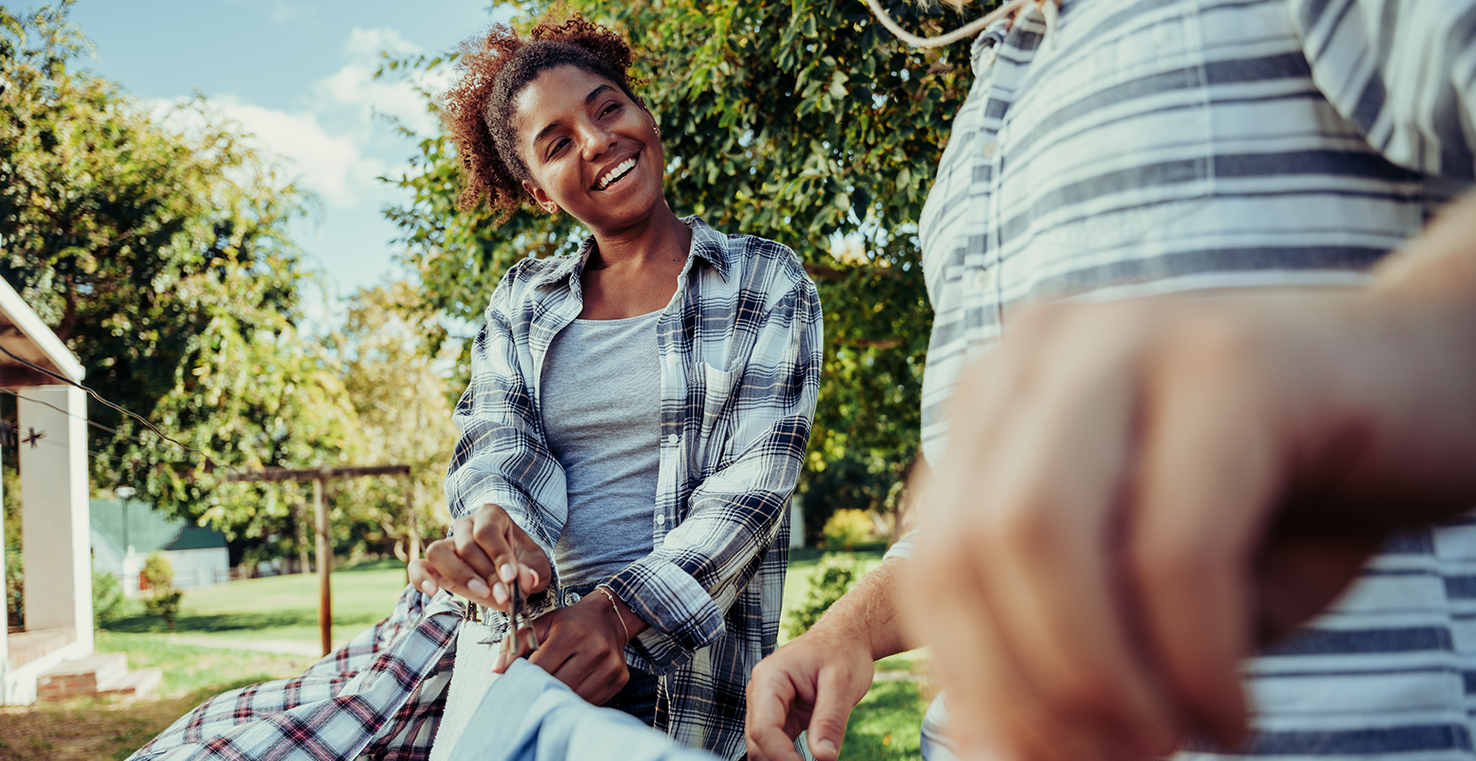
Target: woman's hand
[(583, 646), (486, 550)]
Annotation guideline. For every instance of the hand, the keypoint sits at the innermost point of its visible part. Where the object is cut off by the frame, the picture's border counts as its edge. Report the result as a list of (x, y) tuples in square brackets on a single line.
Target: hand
[(487, 549), (811, 683), (1135, 494), (583, 646)]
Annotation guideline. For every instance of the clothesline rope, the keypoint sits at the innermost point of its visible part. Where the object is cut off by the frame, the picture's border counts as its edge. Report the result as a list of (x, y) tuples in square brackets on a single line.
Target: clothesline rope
[(1048, 7)]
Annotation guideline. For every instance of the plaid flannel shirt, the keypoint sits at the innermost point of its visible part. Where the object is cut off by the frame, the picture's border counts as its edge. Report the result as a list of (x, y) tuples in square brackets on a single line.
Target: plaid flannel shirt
[(741, 352)]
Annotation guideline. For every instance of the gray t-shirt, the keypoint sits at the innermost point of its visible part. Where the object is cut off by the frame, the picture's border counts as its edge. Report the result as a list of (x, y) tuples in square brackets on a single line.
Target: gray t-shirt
[(602, 412)]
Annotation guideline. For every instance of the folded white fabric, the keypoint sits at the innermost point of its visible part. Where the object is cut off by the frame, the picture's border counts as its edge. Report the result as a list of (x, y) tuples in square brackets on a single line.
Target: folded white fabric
[(470, 677)]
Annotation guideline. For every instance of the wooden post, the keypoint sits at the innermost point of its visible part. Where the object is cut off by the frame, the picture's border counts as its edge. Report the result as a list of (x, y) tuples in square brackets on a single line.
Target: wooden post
[(323, 528), (410, 518), (325, 565)]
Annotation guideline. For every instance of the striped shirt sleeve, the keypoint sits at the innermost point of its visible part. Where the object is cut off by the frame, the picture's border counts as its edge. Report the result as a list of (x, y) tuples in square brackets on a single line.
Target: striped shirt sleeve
[(692, 577), (1402, 71)]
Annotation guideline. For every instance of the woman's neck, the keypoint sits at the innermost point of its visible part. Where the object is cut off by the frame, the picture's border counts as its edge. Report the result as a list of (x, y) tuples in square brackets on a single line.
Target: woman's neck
[(656, 241), (635, 271)]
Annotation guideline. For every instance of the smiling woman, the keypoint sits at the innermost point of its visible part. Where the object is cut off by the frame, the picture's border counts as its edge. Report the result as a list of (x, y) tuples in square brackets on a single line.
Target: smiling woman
[(637, 417)]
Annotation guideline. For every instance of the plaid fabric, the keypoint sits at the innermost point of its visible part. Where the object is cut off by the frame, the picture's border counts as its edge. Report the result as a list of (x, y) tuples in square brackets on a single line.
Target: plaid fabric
[(378, 697), (740, 349)]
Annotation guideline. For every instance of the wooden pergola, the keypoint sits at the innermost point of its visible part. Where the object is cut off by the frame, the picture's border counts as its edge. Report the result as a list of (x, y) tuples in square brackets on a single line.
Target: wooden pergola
[(323, 557)]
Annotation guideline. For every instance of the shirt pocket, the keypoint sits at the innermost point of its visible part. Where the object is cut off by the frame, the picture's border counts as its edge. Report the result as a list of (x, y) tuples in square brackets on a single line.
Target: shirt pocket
[(719, 389)]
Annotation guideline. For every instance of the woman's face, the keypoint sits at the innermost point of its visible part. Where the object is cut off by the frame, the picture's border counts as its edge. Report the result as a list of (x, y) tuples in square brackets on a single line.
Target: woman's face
[(590, 149)]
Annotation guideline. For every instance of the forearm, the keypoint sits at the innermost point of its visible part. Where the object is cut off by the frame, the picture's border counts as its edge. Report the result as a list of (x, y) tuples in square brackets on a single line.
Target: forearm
[(868, 612)]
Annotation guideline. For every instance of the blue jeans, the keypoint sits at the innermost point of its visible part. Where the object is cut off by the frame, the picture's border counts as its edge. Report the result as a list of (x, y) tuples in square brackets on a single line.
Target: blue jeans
[(638, 696)]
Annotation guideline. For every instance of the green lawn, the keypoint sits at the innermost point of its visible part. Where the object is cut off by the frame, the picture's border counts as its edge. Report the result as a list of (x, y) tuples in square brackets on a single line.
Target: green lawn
[(284, 608)]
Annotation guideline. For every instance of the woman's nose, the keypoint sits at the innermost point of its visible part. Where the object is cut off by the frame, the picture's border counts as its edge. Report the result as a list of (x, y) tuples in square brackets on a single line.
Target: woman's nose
[(597, 141)]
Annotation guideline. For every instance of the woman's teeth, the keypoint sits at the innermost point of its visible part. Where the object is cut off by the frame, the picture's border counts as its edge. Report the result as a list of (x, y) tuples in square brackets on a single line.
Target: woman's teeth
[(619, 171)]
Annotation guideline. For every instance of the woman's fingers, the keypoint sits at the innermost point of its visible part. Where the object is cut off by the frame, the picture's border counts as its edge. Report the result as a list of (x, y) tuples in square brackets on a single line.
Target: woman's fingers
[(455, 575), (423, 576)]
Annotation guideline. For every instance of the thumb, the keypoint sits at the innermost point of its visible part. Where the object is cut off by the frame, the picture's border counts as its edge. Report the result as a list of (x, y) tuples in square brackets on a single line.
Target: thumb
[(828, 721)]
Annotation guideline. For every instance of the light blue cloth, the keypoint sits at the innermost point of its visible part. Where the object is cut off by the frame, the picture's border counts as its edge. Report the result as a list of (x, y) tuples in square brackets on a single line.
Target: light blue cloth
[(528, 715)]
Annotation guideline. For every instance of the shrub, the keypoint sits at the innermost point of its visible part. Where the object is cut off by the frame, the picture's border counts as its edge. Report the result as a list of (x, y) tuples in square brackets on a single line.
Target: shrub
[(107, 598), (164, 603), (847, 528), (165, 600), (832, 577), (158, 571), (15, 586)]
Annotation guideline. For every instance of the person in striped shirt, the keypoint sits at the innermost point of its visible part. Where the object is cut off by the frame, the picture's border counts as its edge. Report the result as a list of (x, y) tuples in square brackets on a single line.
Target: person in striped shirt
[(1180, 395)]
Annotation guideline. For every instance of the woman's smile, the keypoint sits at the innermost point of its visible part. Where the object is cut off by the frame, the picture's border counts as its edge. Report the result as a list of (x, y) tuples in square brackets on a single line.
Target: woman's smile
[(616, 173)]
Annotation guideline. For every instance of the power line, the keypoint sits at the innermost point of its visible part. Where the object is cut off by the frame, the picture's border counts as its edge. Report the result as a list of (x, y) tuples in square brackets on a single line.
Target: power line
[(209, 461)]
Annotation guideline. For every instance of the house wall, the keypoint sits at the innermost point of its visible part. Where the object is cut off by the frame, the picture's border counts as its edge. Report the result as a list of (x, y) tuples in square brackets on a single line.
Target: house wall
[(198, 568)]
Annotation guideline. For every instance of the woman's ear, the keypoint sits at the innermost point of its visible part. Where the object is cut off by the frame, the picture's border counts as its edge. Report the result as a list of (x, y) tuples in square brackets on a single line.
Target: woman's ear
[(541, 198)]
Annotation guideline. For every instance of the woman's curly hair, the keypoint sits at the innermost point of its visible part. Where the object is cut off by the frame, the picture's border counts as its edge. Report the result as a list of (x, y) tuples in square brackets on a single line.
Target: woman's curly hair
[(493, 70)]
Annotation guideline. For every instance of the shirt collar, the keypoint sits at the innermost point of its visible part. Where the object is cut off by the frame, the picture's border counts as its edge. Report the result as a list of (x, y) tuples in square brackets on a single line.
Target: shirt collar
[(707, 244)]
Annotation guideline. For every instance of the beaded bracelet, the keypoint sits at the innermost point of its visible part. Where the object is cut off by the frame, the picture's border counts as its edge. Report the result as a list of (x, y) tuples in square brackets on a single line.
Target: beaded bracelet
[(616, 608)]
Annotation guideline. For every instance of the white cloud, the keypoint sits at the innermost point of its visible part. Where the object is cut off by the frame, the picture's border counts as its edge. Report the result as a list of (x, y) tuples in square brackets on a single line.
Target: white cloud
[(331, 165), (354, 87)]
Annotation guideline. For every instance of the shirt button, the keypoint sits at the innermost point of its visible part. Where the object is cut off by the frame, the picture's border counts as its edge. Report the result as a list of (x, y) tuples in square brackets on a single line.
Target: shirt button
[(982, 279), (671, 438), (989, 149), (660, 520)]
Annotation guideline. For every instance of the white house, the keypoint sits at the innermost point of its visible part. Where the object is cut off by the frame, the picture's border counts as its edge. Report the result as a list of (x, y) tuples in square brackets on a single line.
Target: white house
[(126, 532), (53, 461), (52, 656)]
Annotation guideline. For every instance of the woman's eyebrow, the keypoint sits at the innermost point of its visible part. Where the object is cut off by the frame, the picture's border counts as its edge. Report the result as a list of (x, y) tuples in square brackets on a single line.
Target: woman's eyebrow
[(588, 99), (595, 93)]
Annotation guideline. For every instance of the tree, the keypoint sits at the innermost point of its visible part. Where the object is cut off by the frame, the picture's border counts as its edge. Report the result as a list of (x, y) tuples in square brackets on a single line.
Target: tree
[(800, 121), (403, 414), (156, 247)]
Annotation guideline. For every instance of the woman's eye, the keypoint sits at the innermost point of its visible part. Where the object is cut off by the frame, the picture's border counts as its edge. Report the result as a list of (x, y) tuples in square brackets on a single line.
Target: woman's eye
[(558, 146), (610, 108)]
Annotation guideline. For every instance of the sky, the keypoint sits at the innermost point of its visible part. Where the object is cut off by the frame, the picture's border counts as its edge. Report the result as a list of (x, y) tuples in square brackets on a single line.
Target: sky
[(298, 74)]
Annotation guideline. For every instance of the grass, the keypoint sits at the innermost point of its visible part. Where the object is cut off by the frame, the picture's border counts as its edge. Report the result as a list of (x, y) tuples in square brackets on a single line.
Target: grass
[(284, 608), (114, 729), (281, 607)]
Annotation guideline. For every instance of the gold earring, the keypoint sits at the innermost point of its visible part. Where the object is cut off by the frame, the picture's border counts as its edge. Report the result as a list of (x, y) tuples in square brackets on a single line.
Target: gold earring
[(655, 129)]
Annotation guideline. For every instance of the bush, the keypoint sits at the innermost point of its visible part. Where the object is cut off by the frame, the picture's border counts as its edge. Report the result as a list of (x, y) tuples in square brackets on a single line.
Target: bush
[(107, 598), (165, 600), (15, 586), (832, 577), (847, 528), (164, 603), (158, 571)]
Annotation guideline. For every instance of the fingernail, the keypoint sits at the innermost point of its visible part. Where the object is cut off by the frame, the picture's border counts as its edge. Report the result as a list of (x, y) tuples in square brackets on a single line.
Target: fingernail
[(428, 587), (507, 572), (825, 746), (499, 592), (478, 587)]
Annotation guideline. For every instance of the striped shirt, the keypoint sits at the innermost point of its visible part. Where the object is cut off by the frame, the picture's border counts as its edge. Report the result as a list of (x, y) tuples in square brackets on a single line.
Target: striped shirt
[(740, 348), (1143, 147)]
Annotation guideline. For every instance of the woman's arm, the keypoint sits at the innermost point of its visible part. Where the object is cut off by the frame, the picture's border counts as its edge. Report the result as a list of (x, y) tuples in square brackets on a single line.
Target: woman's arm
[(696, 571), (501, 457)]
